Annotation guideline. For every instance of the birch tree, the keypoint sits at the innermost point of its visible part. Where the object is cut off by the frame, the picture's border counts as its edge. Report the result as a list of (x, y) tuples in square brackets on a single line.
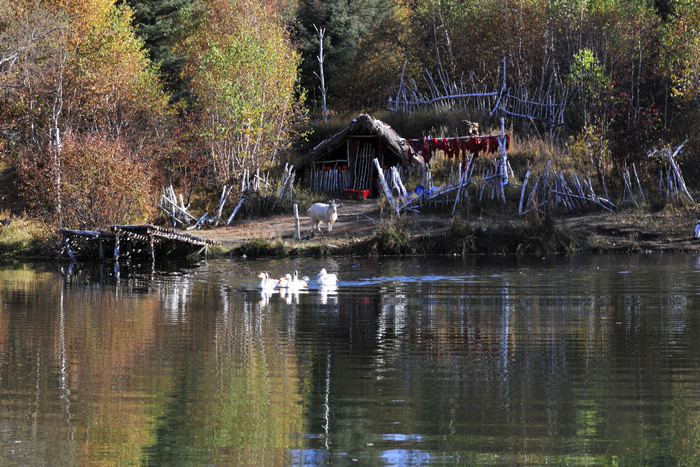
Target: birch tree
[(243, 73)]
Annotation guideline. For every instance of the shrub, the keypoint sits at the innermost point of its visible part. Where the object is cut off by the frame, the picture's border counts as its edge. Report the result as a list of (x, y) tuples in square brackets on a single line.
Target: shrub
[(101, 183), (392, 239)]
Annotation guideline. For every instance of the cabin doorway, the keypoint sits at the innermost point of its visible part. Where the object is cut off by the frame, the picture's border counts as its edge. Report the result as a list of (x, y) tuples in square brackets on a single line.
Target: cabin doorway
[(363, 150)]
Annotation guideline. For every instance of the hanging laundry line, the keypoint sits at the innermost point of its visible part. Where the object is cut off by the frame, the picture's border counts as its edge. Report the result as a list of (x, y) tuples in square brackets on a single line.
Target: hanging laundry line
[(448, 138), (458, 146)]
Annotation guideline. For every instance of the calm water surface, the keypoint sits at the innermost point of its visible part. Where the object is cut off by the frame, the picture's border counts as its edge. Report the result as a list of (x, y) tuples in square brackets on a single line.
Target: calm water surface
[(586, 360)]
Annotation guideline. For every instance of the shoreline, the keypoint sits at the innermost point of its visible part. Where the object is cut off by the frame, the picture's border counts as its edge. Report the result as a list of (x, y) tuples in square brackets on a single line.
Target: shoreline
[(363, 229)]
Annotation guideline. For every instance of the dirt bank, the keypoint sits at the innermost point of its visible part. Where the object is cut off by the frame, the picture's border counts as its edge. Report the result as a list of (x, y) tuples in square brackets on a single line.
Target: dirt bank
[(627, 230)]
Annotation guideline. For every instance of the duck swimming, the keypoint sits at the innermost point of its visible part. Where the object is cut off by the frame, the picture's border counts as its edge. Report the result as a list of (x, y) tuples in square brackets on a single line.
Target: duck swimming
[(297, 283), (325, 280), (265, 282), (284, 281), (289, 281)]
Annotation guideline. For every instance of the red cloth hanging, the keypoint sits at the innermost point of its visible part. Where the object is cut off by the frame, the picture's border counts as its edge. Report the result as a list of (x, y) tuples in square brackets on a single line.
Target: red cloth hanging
[(473, 146), (381, 145), (353, 147), (483, 144), (447, 149), (493, 144), (507, 142), (409, 153), (426, 150), (456, 147), (464, 145)]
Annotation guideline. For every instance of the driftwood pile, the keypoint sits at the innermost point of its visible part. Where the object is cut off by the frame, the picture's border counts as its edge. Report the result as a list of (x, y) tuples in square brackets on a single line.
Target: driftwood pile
[(546, 105), (570, 192), (671, 183), (257, 192), (452, 193), (552, 189)]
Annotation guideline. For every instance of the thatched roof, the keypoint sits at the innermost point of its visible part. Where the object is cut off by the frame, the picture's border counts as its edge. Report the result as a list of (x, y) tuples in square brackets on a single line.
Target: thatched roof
[(362, 125)]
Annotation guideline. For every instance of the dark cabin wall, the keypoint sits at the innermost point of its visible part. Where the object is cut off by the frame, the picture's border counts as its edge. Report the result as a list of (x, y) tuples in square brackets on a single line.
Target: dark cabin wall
[(355, 154)]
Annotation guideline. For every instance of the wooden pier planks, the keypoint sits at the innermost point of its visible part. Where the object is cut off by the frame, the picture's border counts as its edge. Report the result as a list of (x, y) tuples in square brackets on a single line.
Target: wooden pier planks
[(125, 242)]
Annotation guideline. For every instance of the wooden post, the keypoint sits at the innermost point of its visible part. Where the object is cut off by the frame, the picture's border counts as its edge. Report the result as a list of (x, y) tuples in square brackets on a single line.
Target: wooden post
[(240, 202), (639, 185), (296, 221), (116, 247), (101, 251), (522, 193), (151, 249), (66, 247), (680, 183), (504, 159)]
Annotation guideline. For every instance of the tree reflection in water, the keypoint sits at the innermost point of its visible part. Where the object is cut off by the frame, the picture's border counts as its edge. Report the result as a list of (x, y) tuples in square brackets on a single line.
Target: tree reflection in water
[(406, 361)]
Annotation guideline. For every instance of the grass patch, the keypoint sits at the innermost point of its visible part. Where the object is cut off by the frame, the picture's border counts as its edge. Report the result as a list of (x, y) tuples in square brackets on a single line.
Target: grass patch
[(392, 239), (216, 251), (258, 247), (26, 238)]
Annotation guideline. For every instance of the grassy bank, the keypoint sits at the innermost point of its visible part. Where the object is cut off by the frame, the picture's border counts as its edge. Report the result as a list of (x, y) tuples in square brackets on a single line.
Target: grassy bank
[(22, 238), (394, 239), (626, 231)]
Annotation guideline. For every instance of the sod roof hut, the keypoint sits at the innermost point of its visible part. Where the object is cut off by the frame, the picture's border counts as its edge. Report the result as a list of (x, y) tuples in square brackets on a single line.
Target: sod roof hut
[(342, 165)]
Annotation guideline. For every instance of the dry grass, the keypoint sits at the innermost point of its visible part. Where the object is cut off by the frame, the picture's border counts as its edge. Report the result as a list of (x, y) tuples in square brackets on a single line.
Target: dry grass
[(22, 237)]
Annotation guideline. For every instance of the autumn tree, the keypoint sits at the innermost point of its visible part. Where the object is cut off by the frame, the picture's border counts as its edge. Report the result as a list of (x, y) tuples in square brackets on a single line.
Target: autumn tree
[(680, 54), (74, 68), (102, 183), (243, 72)]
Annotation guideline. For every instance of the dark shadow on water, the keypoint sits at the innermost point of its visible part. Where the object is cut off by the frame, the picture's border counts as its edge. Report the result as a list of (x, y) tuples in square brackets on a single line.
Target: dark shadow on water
[(119, 273)]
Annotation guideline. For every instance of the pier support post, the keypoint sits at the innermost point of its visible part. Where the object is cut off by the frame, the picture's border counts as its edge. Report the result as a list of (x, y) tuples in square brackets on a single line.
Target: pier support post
[(151, 250), (66, 247), (116, 247)]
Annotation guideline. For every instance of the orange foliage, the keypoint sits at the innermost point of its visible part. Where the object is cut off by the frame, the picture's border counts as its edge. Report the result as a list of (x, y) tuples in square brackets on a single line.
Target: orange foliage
[(101, 183)]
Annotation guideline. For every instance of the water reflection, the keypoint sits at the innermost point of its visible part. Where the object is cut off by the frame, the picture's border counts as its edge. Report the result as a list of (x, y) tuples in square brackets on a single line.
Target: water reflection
[(487, 360)]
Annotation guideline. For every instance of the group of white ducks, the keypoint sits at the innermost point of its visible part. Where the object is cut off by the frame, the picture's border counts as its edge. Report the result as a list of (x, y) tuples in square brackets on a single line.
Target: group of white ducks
[(294, 282)]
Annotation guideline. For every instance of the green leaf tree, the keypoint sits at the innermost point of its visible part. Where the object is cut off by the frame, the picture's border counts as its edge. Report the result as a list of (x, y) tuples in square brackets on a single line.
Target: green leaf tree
[(243, 71), (162, 25), (352, 31)]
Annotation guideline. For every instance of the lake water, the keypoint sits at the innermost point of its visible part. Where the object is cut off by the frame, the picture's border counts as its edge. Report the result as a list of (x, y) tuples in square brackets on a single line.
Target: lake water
[(568, 360)]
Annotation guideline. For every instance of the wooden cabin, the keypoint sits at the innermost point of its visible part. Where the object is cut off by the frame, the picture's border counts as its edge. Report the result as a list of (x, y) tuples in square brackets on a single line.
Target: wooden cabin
[(342, 165)]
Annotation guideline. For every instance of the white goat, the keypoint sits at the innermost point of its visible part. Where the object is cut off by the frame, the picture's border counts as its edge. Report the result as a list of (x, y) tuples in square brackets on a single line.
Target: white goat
[(322, 212)]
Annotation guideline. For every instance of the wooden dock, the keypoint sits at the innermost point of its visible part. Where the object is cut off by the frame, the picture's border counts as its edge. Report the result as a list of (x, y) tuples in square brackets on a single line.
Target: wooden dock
[(129, 242)]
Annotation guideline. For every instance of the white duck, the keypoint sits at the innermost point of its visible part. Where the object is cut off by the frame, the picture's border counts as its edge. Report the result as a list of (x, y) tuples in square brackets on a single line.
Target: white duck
[(265, 282), (326, 280), (297, 283), (284, 281)]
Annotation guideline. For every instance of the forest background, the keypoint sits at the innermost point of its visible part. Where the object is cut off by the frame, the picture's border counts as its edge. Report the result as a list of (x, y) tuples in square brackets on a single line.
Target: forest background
[(104, 102)]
